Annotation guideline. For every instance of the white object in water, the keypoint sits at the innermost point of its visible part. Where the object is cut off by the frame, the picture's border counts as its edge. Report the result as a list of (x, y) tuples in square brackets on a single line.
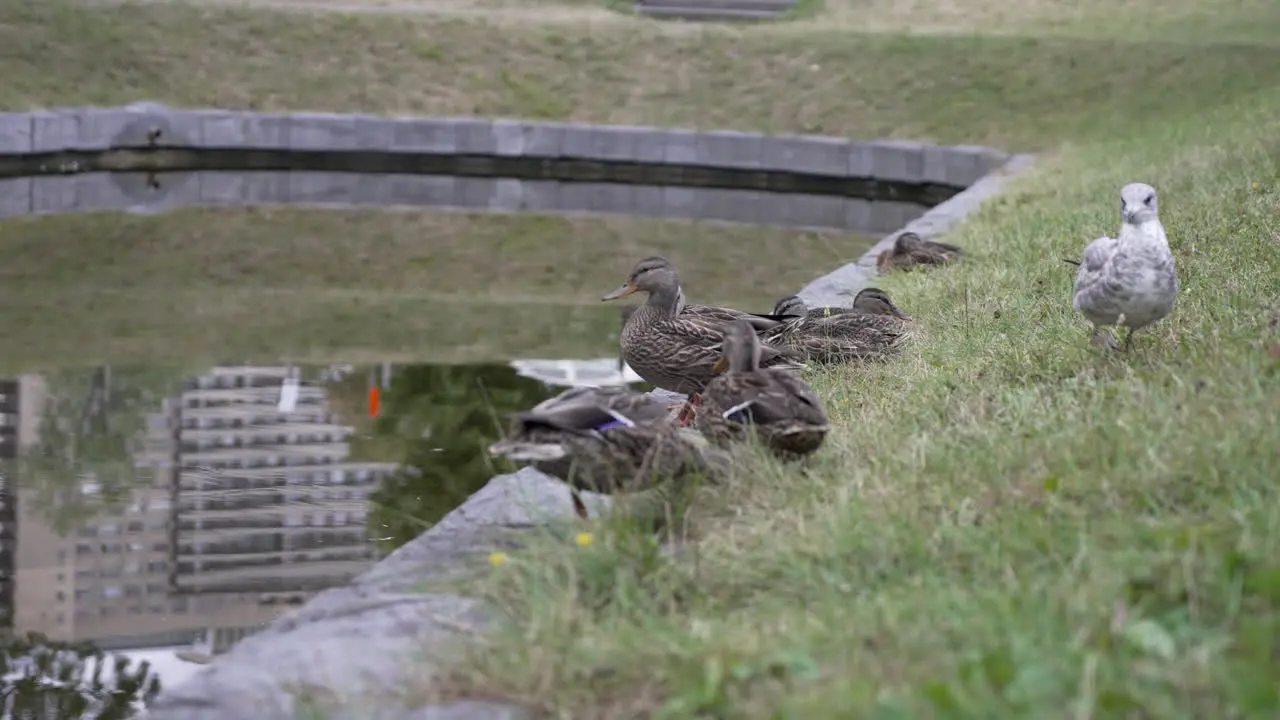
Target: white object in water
[(288, 394), (576, 373)]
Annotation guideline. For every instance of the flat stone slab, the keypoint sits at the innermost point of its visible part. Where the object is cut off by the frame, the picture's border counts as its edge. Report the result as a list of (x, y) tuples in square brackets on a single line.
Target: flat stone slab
[(351, 650)]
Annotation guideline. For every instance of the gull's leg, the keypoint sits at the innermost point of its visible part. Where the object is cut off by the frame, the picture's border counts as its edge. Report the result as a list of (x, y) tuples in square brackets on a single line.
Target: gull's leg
[(1103, 338), (1128, 338)]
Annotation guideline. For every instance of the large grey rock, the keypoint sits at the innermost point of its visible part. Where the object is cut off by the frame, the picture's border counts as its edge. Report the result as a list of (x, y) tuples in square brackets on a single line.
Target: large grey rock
[(352, 650)]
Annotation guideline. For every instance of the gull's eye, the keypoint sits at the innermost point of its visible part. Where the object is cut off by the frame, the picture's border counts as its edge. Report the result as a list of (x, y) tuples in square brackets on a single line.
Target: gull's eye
[(1150, 199), (1122, 204)]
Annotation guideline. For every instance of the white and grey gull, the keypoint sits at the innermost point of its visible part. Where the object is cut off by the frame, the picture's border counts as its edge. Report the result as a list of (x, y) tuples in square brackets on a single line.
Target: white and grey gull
[(1129, 280)]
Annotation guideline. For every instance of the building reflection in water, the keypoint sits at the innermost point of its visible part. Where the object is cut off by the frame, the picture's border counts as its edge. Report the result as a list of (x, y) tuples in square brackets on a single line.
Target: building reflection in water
[(248, 503)]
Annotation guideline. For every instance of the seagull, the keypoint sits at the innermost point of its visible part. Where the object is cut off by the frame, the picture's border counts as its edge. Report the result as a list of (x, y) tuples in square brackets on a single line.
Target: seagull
[(1128, 280)]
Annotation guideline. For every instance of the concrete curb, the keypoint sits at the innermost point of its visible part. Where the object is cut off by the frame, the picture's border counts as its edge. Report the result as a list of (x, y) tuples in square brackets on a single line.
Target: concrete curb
[(148, 125)]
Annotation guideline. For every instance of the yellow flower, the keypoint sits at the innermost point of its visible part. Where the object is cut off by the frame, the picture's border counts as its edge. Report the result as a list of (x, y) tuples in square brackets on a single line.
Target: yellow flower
[(1255, 186), (497, 558), (583, 539)]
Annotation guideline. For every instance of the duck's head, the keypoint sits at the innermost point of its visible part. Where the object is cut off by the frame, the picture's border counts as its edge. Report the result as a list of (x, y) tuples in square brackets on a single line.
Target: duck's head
[(790, 305), (650, 275), (907, 242), (876, 302), (740, 351)]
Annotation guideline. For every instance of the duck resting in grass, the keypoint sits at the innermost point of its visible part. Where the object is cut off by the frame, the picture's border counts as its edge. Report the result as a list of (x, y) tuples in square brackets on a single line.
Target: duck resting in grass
[(873, 327), (675, 345), (910, 251), (784, 411), (607, 440)]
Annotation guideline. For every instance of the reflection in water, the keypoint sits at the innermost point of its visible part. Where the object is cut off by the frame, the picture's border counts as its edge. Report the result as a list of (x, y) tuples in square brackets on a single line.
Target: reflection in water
[(439, 419), (156, 506)]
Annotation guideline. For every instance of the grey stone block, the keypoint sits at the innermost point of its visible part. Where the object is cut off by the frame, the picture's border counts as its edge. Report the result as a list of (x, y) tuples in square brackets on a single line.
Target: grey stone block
[(509, 137), (805, 154), (244, 130), (729, 149), (475, 136), (857, 216), (815, 211), (545, 140), (152, 125), (333, 131), (76, 128), (420, 190), (15, 197), (431, 135), (474, 193), (539, 195), (540, 140), (680, 203), (958, 166), (508, 195), (613, 198), (15, 132), (737, 206), (576, 141), (186, 126), (88, 192), (681, 146), (325, 188), (898, 160), (622, 143), (221, 188), (647, 201), (574, 197), (267, 188)]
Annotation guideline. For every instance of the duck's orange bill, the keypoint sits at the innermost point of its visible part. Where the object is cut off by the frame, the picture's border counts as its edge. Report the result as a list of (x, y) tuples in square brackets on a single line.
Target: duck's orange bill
[(623, 291)]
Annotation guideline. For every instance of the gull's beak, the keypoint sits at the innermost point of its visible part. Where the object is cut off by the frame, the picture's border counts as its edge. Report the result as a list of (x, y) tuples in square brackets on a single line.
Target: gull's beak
[(623, 291), (721, 365)]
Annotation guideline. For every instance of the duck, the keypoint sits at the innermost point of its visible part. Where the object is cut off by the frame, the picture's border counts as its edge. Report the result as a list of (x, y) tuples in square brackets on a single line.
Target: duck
[(674, 345), (1130, 280), (608, 440), (872, 327), (785, 412), (910, 251)]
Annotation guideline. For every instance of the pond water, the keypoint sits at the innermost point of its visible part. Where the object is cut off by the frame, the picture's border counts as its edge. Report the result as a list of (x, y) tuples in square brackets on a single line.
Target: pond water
[(156, 493)]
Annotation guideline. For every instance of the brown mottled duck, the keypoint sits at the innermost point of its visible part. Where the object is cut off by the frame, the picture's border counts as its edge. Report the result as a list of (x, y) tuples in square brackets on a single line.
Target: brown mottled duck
[(675, 345), (910, 251), (872, 327), (784, 411), (607, 440)]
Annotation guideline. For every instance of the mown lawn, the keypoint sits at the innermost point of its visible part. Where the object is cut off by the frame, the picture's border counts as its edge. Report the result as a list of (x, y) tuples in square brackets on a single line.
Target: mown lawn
[(1006, 522)]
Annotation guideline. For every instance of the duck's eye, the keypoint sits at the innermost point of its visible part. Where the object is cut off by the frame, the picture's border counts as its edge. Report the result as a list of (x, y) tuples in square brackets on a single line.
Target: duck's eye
[(1150, 199)]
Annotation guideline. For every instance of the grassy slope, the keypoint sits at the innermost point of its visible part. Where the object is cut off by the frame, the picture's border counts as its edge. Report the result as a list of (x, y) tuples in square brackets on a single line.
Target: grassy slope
[(1005, 524)]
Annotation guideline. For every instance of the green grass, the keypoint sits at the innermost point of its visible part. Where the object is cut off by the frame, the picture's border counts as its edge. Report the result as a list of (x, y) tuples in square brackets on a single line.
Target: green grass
[(1005, 522)]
